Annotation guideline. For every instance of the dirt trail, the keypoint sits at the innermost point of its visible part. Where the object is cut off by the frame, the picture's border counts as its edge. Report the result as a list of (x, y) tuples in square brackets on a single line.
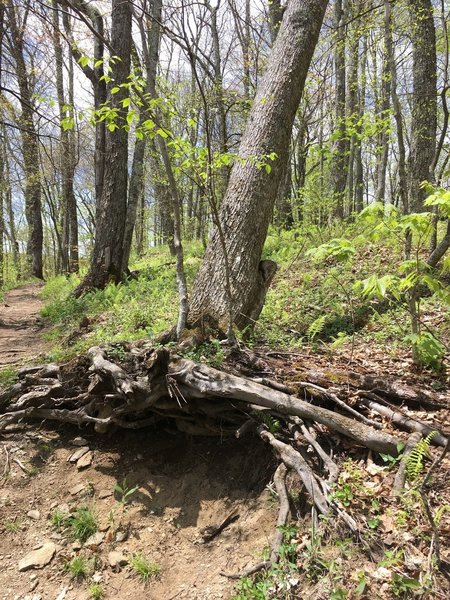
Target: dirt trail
[(20, 327)]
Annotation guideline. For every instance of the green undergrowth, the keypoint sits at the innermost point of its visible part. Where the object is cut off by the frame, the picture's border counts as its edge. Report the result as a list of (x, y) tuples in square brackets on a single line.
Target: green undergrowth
[(310, 303), (134, 309)]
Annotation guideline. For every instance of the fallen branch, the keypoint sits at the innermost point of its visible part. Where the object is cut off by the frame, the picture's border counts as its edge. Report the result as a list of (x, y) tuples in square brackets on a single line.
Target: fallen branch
[(400, 419)]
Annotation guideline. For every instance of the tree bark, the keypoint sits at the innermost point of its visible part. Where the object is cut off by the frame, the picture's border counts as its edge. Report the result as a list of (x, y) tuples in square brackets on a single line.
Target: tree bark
[(386, 81), (30, 150), (106, 262), (67, 162), (339, 162), (424, 101), (247, 207)]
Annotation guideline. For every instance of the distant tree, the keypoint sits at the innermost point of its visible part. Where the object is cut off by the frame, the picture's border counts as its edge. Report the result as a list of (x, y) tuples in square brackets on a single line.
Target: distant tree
[(106, 262), (30, 143)]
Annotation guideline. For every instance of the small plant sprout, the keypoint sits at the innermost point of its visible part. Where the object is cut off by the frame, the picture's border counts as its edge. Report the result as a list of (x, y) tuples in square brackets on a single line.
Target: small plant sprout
[(124, 492), (96, 591), (12, 526), (144, 569), (82, 524), (78, 567)]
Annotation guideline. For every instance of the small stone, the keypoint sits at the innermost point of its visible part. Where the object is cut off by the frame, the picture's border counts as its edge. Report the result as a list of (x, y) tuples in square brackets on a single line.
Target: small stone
[(76, 489), (62, 594), (76, 546), (63, 508), (121, 536), (95, 539), (79, 441), (34, 514), (105, 494), (33, 576), (38, 558), (85, 460), (73, 458), (116, 559)]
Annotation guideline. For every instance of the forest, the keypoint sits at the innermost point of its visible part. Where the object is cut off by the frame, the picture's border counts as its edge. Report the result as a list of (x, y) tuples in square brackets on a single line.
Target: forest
[(224, 299)]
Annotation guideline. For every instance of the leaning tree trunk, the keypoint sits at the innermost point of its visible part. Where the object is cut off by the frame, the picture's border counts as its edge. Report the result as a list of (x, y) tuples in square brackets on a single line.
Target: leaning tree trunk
[(106, 263), (247, 207)]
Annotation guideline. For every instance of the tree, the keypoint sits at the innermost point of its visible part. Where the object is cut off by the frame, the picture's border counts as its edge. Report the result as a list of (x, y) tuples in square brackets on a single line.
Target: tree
[(30, 148), (106, 262), (424, 101), (234, 250)]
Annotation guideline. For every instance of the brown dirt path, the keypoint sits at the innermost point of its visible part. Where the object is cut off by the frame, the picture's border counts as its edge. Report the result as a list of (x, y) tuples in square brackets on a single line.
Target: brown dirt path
[(20, 325)]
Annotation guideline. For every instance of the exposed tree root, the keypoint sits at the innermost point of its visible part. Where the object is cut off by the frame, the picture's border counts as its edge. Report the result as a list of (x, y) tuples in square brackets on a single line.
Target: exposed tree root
[(151, 385)]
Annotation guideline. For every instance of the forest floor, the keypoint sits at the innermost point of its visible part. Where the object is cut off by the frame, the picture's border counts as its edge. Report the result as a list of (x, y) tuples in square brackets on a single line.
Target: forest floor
[(151, 493), (185, 484), (20, 325)]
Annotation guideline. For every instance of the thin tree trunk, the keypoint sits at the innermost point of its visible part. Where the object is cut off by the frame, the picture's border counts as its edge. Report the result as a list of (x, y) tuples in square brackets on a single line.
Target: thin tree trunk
[(30, 151), (97, 79), (359, 166), (398, 116), (386, 80), (339, 162)]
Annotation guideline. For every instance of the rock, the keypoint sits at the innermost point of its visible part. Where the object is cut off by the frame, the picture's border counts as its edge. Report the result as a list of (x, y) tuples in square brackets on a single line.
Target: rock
[(38, 558), (62, 594), (85, 460), (121, 536), (105, 494), (73, 458), (76, 546), (34, 514), (63, 508), (116, 559), (76, 489), (79, 441), (95, 539)]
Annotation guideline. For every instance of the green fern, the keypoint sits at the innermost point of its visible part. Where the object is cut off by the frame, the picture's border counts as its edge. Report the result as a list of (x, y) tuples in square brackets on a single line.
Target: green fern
[(414, 464), (272, 424), (316, 327)]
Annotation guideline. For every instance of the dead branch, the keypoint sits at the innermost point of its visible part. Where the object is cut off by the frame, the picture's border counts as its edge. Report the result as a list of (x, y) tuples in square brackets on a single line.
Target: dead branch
[(407, 422)]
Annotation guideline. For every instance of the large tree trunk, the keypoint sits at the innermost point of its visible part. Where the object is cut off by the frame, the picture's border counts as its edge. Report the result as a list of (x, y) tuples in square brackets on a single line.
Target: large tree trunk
[(424, 102), (247, 207), (106, 263)]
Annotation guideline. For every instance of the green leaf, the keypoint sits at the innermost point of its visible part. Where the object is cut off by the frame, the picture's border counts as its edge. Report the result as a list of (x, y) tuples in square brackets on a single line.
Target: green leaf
[(83, 61), (162, 133), (126, 102), (148, 124), (115, 90)]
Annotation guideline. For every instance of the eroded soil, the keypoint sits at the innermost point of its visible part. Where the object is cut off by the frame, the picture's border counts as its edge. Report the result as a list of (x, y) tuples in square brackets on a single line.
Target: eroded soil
[(184, 484), (20, 325)]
